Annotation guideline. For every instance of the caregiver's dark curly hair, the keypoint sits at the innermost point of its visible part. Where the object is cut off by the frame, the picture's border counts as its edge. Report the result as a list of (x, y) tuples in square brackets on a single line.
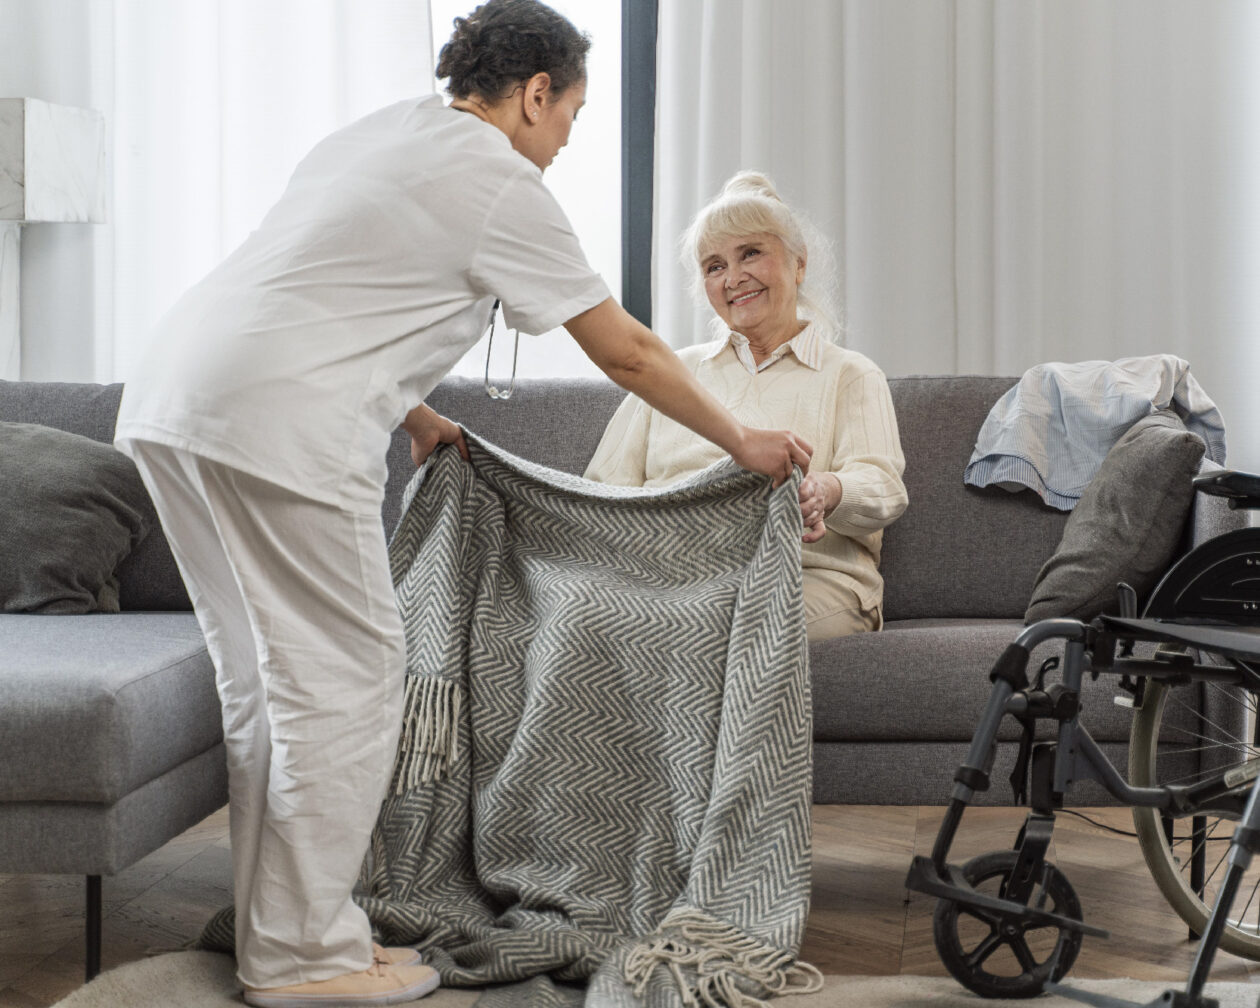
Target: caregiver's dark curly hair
[(503, 43)]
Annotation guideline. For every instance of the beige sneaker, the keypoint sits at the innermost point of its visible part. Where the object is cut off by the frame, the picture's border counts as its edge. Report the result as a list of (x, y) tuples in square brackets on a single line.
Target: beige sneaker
[(379, 984), (395, 956)]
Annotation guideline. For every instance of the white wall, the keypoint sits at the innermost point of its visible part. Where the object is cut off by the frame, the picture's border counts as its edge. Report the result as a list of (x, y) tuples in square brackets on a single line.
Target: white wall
[(45, 53)]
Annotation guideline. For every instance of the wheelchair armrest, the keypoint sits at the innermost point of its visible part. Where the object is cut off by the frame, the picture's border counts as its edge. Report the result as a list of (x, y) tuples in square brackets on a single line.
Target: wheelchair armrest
[(1211, 514), (1241, 489)]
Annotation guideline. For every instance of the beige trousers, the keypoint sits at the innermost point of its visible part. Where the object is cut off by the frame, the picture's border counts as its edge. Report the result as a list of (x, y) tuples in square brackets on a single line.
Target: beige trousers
[(296, 603), (832, 609)]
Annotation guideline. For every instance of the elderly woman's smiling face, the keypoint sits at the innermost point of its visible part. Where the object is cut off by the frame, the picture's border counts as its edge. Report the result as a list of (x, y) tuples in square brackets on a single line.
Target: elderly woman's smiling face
[(751, 282)]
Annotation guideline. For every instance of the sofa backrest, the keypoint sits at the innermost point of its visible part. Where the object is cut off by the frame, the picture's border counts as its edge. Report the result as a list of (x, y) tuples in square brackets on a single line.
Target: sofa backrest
[(958, 551), (556, 422)]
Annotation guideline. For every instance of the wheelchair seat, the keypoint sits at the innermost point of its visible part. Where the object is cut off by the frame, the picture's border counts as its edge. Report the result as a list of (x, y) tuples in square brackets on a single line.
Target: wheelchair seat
[(1241, 642)]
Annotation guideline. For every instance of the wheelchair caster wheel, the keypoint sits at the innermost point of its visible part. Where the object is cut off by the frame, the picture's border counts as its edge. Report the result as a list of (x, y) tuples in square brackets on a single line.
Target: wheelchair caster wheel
[(999, 956)]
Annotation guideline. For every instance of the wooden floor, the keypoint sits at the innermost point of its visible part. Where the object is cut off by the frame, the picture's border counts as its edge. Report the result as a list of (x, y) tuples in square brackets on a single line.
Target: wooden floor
[(863, 920)]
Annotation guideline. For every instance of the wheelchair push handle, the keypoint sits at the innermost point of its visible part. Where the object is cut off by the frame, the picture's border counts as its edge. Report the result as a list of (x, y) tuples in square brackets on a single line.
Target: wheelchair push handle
[(1240, 488)]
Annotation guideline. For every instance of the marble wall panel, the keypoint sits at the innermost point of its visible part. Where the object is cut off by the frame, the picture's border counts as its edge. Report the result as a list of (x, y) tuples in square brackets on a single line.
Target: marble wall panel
[(12, 159), (52, 162), (10, 307)]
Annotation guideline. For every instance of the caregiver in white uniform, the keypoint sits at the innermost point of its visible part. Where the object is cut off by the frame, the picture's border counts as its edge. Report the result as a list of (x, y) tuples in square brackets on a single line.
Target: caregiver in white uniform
[(260, 421)]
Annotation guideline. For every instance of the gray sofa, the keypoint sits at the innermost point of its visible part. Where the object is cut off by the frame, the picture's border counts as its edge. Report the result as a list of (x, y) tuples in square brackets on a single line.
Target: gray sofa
[(893, 711), (111, 742)]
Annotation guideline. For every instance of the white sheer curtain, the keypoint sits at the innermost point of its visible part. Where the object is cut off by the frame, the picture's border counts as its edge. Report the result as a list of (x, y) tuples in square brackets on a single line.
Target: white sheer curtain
[(1004, 183), (212, 104)]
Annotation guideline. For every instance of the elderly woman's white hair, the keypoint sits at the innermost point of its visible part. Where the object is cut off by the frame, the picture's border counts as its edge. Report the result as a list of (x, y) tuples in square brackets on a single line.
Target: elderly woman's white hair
[(749, 204)]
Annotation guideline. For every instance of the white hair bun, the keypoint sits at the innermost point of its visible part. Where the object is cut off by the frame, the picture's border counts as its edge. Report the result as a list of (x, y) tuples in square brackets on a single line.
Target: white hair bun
[(751, 183)]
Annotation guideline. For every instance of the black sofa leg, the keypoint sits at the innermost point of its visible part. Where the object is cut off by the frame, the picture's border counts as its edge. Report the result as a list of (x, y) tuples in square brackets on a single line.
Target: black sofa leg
[(92, 961)]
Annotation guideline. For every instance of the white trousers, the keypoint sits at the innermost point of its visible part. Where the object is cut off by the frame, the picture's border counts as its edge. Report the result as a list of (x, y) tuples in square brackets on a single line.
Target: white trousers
[(296, 603)]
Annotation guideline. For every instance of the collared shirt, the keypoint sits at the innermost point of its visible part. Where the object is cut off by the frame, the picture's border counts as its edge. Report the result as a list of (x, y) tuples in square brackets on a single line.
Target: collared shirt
[(805, 345), (836, 399), (1053, 429)]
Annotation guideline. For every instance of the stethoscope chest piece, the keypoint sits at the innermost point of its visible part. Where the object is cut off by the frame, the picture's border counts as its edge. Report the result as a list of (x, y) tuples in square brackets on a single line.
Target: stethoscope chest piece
[(493, 391)]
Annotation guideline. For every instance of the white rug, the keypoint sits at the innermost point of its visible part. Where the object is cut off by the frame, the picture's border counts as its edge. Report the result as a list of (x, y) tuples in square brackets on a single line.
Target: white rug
[(206, 980)]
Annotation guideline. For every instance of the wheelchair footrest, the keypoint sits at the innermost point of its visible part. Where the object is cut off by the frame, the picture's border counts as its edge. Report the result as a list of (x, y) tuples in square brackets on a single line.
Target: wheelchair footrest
[(1169, 999), (923, 878)]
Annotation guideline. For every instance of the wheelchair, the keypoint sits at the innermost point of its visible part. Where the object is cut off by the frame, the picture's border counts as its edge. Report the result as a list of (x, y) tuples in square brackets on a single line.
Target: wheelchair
[(1008, 923)]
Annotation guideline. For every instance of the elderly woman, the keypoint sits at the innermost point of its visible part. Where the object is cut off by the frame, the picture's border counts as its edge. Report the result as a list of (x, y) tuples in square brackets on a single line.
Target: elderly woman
[(776, 364)]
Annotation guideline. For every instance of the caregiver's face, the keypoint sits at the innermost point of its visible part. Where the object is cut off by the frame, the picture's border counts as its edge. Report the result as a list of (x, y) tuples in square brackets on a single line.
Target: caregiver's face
[(550, 130)]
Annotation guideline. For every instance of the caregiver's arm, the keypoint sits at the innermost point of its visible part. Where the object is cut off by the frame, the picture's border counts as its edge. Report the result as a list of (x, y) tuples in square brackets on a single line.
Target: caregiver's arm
[(639, 361), (428, 430)]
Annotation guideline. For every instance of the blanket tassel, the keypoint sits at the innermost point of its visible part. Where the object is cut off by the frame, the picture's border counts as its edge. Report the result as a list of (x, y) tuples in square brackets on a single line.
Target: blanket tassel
[(430, 732), (720, 955)]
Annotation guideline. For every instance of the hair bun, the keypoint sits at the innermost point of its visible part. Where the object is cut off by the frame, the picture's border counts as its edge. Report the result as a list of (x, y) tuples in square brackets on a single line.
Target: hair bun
[(750, 183), (461, 54), (504, 43)]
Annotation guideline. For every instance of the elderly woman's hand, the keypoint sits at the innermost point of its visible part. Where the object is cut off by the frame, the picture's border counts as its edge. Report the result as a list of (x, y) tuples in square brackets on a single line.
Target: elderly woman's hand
[(819, 496)]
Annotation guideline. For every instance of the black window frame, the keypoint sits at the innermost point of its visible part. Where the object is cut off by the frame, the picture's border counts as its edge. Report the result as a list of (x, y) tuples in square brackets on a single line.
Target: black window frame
[(638, 154)]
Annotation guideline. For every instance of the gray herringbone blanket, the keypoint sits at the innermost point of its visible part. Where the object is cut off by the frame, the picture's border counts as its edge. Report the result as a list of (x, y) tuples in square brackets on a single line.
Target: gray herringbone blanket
[(604, 780)]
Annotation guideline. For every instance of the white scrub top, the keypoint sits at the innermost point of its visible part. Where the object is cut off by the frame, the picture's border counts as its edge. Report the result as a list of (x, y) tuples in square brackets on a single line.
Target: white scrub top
[(296, 358)]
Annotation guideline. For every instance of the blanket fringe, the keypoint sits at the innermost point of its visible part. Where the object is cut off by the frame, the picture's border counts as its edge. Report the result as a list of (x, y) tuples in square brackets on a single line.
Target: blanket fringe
[(430, 732), (720, 955)]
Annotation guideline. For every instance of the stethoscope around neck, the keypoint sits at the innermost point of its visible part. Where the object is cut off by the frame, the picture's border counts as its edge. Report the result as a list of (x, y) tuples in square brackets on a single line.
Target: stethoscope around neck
[(493, 391)]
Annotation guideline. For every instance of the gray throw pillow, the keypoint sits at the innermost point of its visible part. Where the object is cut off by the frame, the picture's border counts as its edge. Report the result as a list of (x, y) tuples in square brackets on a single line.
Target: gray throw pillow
[(70, 510), (1126, 525)]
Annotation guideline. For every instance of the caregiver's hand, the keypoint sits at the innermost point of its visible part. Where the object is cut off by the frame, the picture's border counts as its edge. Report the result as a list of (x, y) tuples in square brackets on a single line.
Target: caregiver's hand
[(428, 430), (773, 453)]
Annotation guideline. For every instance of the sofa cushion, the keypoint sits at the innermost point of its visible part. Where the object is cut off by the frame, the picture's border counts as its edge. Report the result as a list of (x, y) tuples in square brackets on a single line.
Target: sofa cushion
[(1127, 524), (147, 576), (96, 705), (73, 509), (927, 680)]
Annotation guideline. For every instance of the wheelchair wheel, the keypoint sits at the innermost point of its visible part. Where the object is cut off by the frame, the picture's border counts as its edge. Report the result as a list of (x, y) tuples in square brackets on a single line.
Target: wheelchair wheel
[(1006, 962), (1181, 735)]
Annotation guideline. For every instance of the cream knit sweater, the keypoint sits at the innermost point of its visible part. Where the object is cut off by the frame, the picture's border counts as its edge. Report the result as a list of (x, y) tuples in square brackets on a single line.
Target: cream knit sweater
[(835, 399)]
